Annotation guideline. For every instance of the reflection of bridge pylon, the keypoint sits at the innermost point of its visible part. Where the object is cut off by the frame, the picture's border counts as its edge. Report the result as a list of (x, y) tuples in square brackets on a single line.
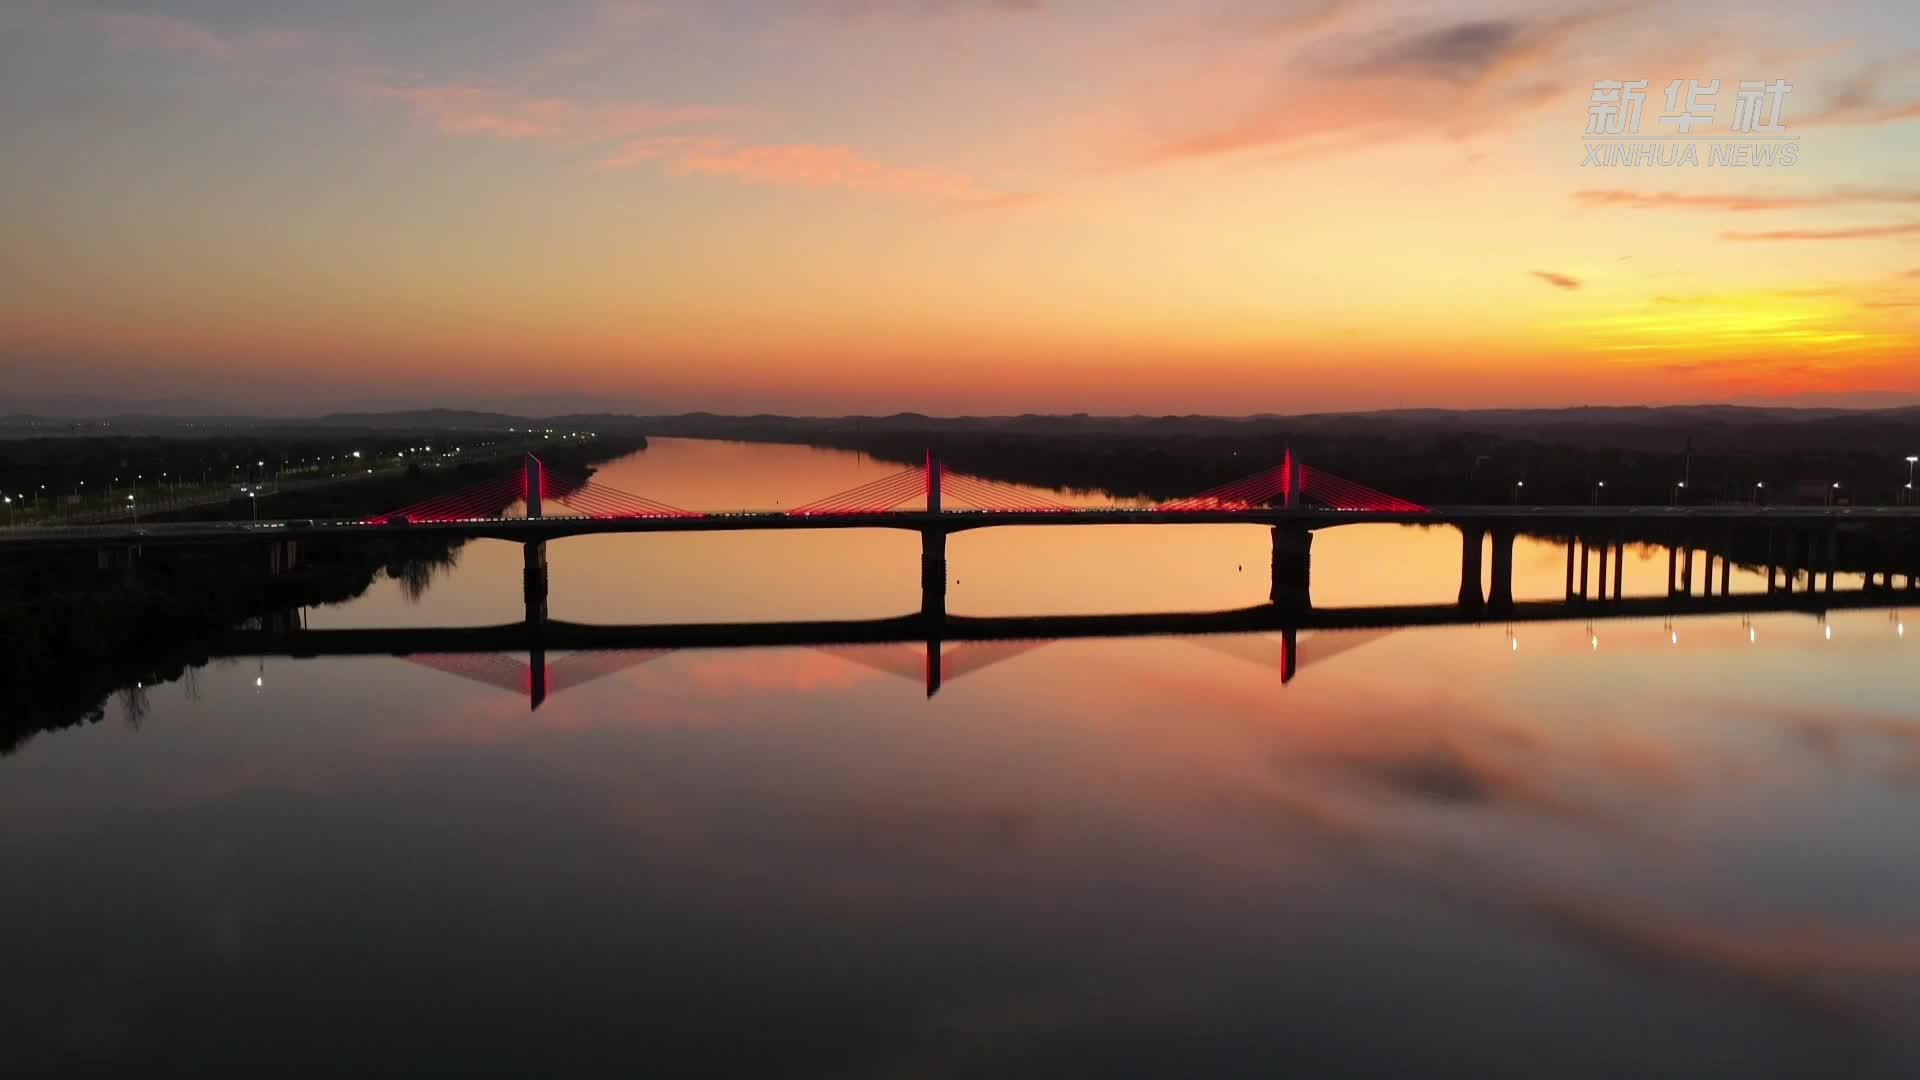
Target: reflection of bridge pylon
[(937, 666), (1282, 652), (541, 680), (933, 665)]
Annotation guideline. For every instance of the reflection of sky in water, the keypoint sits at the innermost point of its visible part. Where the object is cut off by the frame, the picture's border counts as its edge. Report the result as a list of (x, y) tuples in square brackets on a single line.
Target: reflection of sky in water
[(1433, 852)]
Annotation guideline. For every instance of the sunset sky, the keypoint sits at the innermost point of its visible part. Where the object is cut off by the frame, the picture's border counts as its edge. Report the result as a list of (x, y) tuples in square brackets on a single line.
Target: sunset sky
[(952, 206)]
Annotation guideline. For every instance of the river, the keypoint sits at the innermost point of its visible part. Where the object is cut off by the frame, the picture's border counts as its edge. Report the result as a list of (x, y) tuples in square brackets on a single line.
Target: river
[(1652, 847)]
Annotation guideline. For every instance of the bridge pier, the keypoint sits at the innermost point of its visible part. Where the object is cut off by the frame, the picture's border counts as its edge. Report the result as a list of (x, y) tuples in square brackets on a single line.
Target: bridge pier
[(1289, 655), (283, 556), (1606, 552), (1569, 591), (933, 574), (1833, 555), (1619, 567), (1292, 582), (1586, 565), (1472, 539), (122, 561), (933, 584), (534, 582), (1500, 591)]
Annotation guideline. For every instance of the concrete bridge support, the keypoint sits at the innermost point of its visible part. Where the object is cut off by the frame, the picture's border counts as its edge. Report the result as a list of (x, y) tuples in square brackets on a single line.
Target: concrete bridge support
[(933, 483), (1292, 568), (534, 588), (1619, 566), (283, 556), (933, 584), (1472, 540), (1500, 587), (1606, 552), (122, 562), (933, 574), (534, 582), (1586, 565)]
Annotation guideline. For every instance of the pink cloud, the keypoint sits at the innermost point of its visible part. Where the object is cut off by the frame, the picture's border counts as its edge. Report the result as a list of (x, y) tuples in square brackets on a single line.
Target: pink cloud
[(1360, 88), (1673, 200), (475, 110), (1865, 98), (801, 165), (130, 31)]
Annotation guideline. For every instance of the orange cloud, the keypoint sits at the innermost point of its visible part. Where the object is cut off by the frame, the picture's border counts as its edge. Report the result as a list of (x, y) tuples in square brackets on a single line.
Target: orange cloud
[(1673, 200), (1558, 281), (1859, 232), (803, 165)]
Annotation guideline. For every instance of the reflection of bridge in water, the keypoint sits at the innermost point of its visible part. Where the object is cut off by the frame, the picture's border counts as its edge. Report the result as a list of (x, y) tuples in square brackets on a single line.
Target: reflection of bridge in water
[(912, 663), (946, 647)]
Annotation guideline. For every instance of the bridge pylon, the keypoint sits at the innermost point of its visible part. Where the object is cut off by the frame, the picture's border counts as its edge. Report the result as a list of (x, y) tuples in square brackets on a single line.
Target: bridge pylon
[(933, 483), (536, 481)]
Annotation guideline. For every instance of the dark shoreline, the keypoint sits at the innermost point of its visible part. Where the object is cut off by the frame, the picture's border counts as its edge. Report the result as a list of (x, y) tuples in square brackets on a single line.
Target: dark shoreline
[(74, 632)]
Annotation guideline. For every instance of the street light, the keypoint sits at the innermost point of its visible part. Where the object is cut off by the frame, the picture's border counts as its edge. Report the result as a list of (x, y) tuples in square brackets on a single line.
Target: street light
[(1678, 489), (1833, 492), (9, 502), (134, 509), (1598, 490), (1911, 459)]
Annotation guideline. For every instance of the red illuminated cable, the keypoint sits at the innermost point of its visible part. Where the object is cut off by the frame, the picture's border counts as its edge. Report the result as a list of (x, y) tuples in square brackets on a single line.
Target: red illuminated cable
[(995, 495), (872, 497), (877, 499)]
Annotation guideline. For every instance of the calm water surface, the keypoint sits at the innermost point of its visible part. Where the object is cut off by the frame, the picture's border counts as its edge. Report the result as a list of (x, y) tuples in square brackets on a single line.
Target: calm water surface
[(1685, 849)]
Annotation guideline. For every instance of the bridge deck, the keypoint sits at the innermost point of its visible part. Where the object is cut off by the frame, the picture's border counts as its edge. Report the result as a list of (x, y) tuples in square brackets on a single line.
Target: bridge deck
[(1568, 518)]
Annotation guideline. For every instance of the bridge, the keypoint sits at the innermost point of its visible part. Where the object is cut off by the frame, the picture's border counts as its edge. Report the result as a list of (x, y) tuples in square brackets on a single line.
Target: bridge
[(1795, 546)]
